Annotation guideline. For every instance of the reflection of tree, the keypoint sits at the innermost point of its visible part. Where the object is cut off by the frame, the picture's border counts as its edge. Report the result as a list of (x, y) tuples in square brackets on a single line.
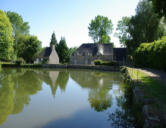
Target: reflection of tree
[(99, 84), (54, 79), (25, 85), (16, 86), (63, 79), (6, 98), (100, 99), (120, 119)]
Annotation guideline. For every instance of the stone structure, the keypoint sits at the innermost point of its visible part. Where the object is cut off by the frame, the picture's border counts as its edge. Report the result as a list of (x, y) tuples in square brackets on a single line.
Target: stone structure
[(48, 55), (87, 53), (120, 55)]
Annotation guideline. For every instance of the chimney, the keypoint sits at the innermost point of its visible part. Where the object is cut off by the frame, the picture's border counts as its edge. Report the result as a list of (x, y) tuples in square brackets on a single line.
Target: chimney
[(53, 47)]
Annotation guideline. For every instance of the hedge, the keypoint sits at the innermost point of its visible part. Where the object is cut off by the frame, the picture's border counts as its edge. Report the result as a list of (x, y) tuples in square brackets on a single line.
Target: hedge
[(107, 63), (152, 55)]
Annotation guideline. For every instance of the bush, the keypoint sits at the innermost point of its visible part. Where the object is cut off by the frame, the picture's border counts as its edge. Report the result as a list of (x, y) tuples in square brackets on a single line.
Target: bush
[(107, 63), (20, 61), (152, 55), (45, 61)]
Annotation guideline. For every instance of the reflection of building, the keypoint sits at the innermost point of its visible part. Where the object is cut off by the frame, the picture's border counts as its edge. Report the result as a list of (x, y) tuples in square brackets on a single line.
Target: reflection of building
[(48, 54), (88, 79), (54, 79), (87, 53), (50, 78)]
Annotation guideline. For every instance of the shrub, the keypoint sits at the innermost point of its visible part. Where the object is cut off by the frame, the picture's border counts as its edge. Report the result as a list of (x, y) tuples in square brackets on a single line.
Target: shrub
[(152, 55), (20, 61), (45, 61), (97, 62), (107, 63)]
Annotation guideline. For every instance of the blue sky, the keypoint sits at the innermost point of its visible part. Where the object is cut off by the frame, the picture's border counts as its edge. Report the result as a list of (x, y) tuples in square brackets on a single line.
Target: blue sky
[(68, 18)]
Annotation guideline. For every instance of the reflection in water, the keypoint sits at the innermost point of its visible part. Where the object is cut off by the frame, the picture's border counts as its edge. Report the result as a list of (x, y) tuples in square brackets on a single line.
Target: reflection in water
[(100, 99), (100, 84), (15, 91), (54, 79), (6, 97), (103, 92)]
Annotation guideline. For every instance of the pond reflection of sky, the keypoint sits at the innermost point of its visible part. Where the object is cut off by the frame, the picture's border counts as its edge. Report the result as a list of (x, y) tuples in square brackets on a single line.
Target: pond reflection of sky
[(76, 99)]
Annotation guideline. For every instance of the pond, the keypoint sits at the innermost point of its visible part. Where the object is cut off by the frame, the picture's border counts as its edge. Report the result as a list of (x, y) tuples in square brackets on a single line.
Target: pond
[(50, 98)]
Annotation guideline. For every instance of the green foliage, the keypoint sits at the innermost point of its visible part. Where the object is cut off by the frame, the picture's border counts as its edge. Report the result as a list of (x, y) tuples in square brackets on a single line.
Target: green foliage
[(53, 40), (20, 61), (62, 80), (16, 87), (6, 98), (45, 61), (151, 54), (28, 47), (159, 7), (19, 27), (122, 31), (100, 28), (72, 50), (6, 39), (145, 26), (63, 51), (100, 99), (107, 63)]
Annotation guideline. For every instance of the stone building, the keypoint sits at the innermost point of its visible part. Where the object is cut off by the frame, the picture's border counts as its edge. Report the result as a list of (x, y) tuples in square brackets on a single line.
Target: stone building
[(120, 55), (87, 53), (48, 55)]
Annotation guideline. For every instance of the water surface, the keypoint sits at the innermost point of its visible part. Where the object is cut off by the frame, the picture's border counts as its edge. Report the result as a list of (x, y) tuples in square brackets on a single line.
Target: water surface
[(44, 98)]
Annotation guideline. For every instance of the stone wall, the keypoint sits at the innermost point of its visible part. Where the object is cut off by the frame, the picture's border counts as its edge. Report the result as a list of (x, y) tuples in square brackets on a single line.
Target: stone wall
[(88, 59)]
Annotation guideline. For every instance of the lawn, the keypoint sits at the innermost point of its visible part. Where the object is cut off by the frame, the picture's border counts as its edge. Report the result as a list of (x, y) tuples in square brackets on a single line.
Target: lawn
[(152, 87)]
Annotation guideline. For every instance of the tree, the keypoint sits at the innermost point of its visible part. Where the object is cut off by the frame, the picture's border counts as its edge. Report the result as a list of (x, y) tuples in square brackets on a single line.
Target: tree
[(63, 51), (122, 31), (19, 27), (100, 99), (72, 50), (100, 28), (6, 39), (145, 26), (54, 41), (159, 7), (28, 47)]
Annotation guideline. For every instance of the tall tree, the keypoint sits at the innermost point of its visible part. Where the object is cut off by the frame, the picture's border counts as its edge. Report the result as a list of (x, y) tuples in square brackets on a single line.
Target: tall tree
[(19, 27), (145, 26), (100, 28), (53, 40), (63, 51), (28, 47), (159, 7), (122, 31), (6, 39)]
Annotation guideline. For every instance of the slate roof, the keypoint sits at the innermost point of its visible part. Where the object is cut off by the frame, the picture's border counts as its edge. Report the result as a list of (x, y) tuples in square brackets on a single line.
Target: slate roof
[(45, 53), (93, 49)]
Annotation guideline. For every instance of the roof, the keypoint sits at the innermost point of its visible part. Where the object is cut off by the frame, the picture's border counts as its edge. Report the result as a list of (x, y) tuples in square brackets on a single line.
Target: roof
[(94, 49), (45, 53)]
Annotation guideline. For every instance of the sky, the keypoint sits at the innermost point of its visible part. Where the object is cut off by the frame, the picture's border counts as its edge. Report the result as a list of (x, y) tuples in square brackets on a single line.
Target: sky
[(68, 18)]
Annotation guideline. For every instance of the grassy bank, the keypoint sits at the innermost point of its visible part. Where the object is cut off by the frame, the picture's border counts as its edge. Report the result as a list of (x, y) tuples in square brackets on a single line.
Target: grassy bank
[(151, 87), (147, 95)]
